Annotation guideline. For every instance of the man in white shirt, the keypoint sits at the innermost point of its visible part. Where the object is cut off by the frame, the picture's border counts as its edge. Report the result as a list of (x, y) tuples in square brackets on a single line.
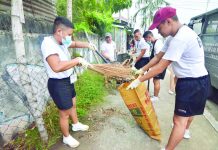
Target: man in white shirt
[(184, 51), (142, 50), (157, 45), (108, 48), (59, 66)]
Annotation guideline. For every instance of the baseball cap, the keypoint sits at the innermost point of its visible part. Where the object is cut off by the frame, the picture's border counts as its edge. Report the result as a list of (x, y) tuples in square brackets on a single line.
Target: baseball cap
[(161, 15), (108, 35)]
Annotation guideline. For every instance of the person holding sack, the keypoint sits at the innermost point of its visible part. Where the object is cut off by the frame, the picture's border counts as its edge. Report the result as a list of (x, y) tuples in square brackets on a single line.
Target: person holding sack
[(59, 64), (184, 51)]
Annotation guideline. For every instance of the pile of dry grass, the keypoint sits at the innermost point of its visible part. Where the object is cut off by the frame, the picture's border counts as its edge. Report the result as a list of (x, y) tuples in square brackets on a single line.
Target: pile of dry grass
[(116, 71)]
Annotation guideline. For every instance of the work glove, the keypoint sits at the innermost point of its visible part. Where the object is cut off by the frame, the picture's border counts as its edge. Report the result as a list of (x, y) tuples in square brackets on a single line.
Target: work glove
[(140, 72), (92, 46), (133, 70), (133, 84), (84, 63)]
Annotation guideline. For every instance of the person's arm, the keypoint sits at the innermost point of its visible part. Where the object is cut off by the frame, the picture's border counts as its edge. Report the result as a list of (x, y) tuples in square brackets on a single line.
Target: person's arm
[(140, 55), (157, 69), (78, 44), (105, 54), (59, 66), (153, 61)]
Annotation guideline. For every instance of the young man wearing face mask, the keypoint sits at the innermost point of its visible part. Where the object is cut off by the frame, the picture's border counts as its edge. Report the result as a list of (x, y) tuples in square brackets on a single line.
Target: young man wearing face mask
[(142, 50), (108, 48), (184, 51), (59, 66), (157, 45)]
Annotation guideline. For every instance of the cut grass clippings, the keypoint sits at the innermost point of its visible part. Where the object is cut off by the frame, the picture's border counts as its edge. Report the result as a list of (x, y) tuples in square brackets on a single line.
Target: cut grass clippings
[(90, 91)]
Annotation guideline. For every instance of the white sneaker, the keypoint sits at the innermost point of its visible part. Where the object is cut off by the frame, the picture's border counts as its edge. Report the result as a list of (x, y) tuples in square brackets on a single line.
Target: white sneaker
[(154, 99), (70, 141), (163, 149), (79, 127), (170, 92), (187, 134)]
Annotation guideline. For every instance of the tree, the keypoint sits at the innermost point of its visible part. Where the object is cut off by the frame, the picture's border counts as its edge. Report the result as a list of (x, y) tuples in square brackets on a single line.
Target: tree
[(93, 15), (147, 11)]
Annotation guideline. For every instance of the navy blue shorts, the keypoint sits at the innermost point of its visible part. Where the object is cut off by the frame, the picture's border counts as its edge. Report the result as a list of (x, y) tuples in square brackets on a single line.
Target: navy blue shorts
[(161, 75), (62, 92), (142, 62), (191, 96)]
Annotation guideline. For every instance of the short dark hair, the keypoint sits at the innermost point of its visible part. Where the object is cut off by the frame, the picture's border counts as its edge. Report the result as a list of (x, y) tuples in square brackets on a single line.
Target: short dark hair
[(147, 33), (136, 31), (62, 21)]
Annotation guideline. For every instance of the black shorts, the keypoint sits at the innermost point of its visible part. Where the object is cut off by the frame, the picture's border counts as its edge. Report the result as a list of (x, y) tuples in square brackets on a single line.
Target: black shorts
[(191, 96), (161, 75), (142, 62), (62, 92)]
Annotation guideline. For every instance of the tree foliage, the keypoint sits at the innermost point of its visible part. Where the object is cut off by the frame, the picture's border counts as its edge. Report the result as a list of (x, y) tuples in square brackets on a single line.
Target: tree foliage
[(93, 15), (148, 9)]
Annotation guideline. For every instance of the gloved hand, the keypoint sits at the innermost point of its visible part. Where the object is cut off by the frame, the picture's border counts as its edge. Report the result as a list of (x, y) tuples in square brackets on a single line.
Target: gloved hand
[(92, 46), (133, 69), (134, 84), (140, 72), (84, 63)]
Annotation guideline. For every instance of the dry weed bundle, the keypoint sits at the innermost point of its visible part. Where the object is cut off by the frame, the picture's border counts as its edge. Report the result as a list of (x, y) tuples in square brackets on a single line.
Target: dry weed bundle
[(116, 71)]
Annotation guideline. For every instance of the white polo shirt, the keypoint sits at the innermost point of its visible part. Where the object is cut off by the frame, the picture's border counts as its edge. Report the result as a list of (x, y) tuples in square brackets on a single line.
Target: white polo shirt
[(50, 46), (158, 46), (141, 44), (186, 52), (109, 49)]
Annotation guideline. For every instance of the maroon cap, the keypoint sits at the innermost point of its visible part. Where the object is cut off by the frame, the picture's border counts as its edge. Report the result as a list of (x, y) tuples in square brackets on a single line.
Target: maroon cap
[(161, 15)]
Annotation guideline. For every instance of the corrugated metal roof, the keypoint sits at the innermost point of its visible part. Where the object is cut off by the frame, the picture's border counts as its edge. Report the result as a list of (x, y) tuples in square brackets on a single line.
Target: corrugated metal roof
[(40, 9)]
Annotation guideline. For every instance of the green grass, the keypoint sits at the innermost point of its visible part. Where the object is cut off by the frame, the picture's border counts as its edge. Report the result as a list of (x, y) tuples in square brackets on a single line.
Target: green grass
[(90, 91)]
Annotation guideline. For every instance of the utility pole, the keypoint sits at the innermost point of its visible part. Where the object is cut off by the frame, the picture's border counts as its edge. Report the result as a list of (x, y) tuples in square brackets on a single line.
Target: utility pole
[(69, 9)]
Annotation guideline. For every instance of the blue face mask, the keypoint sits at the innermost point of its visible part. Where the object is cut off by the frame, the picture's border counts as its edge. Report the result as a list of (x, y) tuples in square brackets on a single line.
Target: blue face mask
[(67, 41)]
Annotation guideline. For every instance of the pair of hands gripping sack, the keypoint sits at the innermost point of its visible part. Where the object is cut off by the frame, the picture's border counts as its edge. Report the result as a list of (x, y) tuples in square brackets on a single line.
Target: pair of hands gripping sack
[(135, 71), (136, 82)]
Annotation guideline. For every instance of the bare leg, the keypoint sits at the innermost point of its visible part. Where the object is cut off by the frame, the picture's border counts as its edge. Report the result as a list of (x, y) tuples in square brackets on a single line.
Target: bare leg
[(177, 131), (156, 87), (73, 113), (189, 122), (172, 83), (64, 116)]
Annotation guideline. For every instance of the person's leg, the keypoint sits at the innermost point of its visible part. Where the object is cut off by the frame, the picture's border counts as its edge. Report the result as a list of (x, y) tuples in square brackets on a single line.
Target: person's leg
[(172, 81), (73, 113), (156, 87), (64, 116), (177, 132), (189, 122), (67, 138), (76, 126)]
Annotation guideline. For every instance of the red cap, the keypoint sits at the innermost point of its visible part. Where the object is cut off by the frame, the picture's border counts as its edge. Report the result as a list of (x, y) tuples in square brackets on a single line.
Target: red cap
[(161, 15)]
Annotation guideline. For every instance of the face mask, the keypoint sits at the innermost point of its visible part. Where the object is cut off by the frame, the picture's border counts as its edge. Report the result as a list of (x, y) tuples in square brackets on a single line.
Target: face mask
[(67, 41)]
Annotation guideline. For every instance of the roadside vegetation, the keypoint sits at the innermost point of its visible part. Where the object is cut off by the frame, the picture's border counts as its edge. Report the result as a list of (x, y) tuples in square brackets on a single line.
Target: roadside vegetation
[(90, 90)]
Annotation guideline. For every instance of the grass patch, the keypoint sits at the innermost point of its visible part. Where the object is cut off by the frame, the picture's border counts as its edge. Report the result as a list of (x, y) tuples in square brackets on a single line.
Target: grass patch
[(90, 91)]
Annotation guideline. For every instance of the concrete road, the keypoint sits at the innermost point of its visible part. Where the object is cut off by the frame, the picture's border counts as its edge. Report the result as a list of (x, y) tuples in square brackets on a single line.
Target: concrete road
[(113, 128)]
